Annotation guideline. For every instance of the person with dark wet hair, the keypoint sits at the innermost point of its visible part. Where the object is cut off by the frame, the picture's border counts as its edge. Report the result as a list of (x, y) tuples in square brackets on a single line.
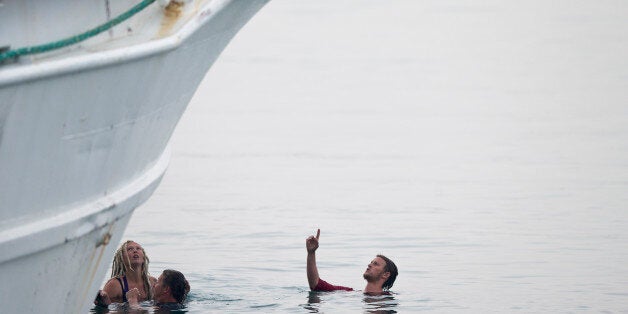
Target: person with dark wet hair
[(380, 274), (175, 287), (392, 269), (170, 291)]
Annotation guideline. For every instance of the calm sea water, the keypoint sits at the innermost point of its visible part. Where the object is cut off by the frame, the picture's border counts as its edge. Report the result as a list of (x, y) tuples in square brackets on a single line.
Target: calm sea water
[(482, 145)]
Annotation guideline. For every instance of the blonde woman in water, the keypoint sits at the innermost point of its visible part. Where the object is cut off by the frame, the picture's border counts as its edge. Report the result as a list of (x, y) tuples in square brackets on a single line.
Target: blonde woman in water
[(128, 272)]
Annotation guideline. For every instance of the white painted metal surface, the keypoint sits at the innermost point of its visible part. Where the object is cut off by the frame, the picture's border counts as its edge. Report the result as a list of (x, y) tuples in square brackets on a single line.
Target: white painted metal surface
[(84, 132)]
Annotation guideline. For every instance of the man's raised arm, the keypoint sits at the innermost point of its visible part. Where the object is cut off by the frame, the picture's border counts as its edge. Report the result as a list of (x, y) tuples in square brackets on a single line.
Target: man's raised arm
[(311, 244)]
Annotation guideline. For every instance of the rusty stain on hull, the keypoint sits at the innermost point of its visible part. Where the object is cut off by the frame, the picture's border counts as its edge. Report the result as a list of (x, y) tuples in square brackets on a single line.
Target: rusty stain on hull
[(172, 12), (94, 261)]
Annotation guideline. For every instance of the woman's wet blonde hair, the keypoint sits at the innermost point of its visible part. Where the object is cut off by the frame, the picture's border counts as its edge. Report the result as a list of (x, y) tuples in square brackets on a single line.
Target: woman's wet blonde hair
[(120, 266)]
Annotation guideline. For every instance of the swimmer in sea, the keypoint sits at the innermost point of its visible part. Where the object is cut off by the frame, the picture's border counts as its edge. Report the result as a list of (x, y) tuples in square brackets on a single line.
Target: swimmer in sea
[(380, 274), (129, 271), (171, 290)]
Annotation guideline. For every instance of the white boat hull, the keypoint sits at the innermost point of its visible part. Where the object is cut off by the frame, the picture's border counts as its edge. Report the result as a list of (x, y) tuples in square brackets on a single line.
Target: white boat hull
[(83, 142)]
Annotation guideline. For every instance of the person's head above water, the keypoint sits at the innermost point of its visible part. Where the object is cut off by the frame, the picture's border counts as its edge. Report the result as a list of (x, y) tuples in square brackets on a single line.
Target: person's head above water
[(171, 287), (380, 274), (382, 271), (129, 257), (129, 270)]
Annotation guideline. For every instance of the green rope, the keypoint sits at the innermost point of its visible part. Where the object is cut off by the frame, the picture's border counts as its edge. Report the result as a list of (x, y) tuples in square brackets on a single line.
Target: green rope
[(11, 54)]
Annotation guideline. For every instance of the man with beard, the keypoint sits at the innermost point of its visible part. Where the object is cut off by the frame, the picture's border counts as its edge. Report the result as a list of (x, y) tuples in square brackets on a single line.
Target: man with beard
[(379, 275)]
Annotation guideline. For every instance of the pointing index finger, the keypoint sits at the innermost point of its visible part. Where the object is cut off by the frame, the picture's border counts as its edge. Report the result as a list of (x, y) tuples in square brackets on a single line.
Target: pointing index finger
[(318, 234)]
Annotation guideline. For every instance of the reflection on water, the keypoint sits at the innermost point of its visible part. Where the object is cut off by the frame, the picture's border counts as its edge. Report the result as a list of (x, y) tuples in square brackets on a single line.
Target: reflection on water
[(380, 303), (313, 301), (147, 307), (371, 303)]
